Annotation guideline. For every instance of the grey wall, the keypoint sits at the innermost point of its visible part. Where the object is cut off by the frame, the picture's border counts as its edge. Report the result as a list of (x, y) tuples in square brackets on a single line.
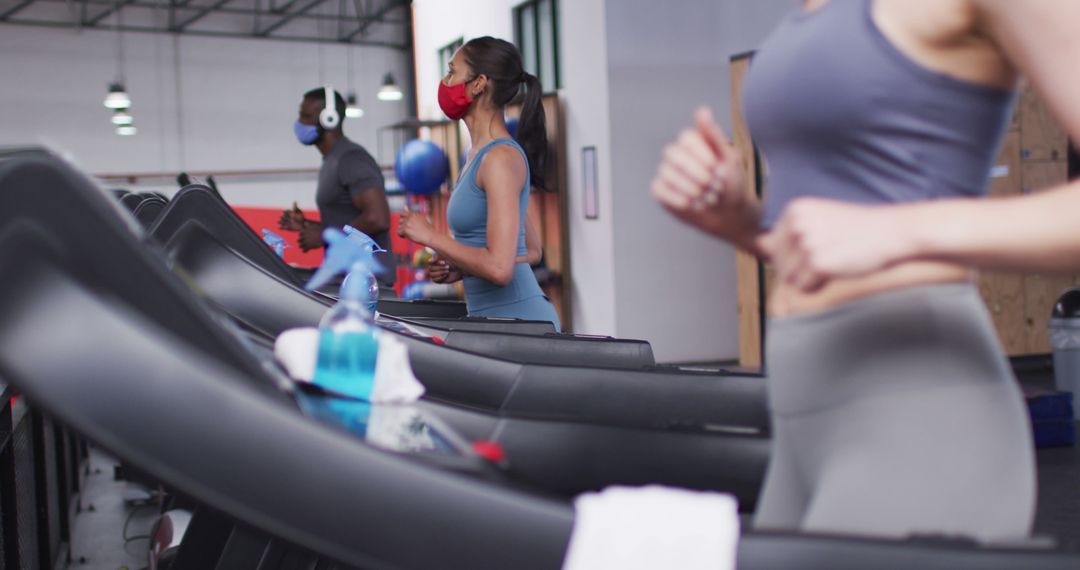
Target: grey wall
[(200, 104), (675, 286)]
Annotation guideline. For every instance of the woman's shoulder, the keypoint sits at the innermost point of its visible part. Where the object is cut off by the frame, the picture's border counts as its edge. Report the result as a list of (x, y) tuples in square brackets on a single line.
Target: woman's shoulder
[(504, 149), (502, 158)]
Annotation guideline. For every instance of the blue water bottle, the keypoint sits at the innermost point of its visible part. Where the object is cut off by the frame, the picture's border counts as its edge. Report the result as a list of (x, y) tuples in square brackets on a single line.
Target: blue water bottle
[(348, 342), (367, 275), (276, 242)]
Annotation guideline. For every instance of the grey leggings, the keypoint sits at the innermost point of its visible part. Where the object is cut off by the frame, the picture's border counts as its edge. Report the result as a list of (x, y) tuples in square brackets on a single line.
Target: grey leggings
[(897, 414)]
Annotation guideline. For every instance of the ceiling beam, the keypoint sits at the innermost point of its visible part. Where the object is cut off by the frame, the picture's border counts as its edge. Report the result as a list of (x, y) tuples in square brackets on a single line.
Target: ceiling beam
[(118, 5), (265, 32), (179, 27), (15, 9), (378, 16), (284, 7), (181, 9), (207, 33)]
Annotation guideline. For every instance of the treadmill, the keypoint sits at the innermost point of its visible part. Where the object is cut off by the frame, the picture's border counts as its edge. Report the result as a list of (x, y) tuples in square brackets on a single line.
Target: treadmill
[(197, 201), (528, 341), (196, 216), (148, 211), (85, 338), (577, 450), (431, 326), (200, 202), (659, 398)]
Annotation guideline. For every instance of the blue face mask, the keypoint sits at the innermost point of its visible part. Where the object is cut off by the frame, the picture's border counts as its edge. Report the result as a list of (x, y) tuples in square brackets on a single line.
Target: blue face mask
[(306, 134)]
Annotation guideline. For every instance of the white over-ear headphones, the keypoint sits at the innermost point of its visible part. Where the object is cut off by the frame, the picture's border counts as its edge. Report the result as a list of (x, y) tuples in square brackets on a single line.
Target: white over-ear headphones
[(329, 118)]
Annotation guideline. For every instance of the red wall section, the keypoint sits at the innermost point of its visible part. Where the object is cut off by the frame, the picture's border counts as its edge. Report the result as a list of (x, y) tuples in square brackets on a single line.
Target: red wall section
[(267, 218), (259, 219)]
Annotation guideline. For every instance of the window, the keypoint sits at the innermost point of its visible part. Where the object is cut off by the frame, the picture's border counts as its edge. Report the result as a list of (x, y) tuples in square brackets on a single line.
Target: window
[(446, 53), (536, 34)]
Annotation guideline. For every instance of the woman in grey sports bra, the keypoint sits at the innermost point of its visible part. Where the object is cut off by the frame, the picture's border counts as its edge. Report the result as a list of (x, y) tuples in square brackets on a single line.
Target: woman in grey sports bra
[(894, 409), (493, 242)]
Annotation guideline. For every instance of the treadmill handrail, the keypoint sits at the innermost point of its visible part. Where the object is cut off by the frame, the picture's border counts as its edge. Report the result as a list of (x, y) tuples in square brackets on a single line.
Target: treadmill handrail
[(201, 198), (201, 429), (650, 397)]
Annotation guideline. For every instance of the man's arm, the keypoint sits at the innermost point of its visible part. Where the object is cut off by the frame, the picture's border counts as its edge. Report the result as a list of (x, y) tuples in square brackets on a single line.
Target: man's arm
[(374, 216), (364, 181)]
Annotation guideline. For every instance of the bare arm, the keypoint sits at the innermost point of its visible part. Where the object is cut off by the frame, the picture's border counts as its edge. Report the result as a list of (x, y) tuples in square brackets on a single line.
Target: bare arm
[(1024, 233), (1039, 231), (700, 181), (501, 175)]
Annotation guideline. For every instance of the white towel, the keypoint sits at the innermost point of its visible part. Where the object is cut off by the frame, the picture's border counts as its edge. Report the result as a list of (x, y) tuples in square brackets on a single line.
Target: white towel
[(653, 527), (395, 382), (297, 350)]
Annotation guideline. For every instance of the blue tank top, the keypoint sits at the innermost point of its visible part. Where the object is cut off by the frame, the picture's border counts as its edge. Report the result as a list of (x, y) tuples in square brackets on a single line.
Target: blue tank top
[(466, 214), (839, 112)]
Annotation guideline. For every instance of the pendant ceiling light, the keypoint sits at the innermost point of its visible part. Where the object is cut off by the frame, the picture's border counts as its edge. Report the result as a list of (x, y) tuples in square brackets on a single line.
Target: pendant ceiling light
[(122, 117), (352, 110), (390, 90), (117, 97)]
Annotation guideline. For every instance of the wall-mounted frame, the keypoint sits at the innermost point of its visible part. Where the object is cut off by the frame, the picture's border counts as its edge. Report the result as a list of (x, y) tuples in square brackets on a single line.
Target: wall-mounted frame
[(590, 183)]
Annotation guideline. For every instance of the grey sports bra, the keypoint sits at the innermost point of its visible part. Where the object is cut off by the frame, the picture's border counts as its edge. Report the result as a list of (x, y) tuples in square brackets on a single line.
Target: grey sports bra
[(840, 112)]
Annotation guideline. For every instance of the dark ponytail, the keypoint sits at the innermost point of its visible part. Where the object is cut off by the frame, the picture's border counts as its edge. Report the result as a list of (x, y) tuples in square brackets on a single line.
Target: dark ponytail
[(500, 61), (532, 130)]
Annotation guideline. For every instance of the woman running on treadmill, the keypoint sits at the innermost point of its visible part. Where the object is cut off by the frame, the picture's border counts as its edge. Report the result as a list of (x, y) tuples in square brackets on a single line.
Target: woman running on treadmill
[(894, 408), (493, 242)]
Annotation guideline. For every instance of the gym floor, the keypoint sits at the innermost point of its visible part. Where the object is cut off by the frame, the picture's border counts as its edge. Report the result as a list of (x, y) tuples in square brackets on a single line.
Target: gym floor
[(107, 509), (1058, 513)]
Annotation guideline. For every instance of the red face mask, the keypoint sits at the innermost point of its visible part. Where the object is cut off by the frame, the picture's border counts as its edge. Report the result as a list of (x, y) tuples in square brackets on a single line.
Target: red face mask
[(454, 100)]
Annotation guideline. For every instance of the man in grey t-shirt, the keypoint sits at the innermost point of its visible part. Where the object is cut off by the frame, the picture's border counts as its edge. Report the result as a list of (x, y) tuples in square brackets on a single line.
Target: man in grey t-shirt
[(350, 189)]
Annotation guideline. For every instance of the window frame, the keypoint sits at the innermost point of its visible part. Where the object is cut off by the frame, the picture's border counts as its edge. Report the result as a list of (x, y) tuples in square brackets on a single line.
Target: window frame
[(534, 6), (446, 53)]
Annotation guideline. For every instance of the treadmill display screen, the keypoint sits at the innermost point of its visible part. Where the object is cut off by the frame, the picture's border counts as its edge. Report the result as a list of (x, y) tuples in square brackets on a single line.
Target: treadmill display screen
[(401, 428)]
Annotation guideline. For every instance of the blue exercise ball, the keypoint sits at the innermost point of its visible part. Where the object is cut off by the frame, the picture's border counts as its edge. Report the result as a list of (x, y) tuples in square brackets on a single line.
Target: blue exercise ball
[(398, 171), (512, 126), (421, 167)]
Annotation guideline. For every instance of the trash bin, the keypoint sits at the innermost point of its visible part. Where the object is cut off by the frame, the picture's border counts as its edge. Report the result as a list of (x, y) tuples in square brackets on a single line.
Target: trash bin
[(1064, 327)]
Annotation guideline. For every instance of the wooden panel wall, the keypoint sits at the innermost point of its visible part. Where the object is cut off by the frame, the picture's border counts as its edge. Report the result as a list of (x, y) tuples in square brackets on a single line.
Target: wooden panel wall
[(1004, 292), (1041, 290), (747, 267), (1034, 152)]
